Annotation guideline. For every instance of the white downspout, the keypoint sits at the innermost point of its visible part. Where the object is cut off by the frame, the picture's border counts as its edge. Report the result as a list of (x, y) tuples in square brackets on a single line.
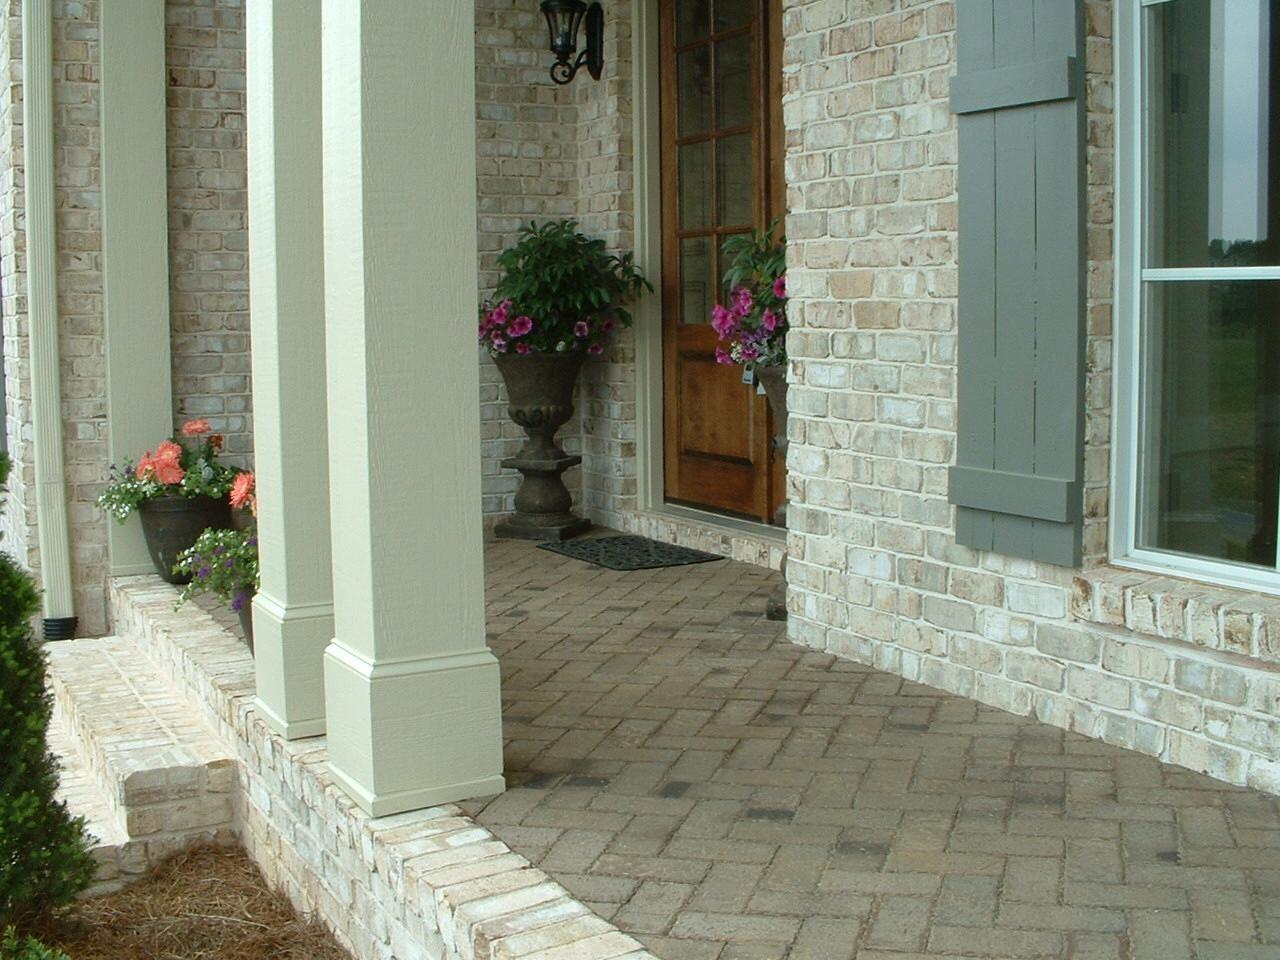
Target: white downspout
[(42, 318)]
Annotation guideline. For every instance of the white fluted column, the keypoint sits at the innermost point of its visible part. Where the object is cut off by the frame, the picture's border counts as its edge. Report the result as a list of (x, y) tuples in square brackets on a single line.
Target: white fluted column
[(293, 611), (411, 688)]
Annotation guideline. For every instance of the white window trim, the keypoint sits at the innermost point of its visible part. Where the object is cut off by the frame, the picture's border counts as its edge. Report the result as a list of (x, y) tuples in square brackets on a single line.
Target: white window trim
[(1127, 438)]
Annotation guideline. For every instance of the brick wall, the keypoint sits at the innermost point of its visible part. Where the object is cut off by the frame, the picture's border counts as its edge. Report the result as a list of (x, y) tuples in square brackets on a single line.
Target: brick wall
[(208, 219), (875, 572), (17, 506)]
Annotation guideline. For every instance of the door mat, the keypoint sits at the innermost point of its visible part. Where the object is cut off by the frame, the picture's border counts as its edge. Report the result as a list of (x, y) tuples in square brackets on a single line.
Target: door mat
[(628, 553)]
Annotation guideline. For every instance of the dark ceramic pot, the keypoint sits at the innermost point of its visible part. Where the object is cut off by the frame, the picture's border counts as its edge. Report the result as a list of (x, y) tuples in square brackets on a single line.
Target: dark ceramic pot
[(245, 613), (540, 394), (171, 525)]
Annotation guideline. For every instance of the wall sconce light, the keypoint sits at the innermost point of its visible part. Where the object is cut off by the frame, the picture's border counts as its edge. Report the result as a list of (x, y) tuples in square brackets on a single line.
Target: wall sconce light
[(564, 17)]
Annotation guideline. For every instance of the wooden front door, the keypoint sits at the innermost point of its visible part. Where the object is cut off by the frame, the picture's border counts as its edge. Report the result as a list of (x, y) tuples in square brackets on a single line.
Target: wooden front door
[(721, 174)]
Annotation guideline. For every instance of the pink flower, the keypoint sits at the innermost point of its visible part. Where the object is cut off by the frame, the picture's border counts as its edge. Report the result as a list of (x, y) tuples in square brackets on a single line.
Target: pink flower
[(749, 354), (742, 301), (780, 287), (520, 326), (723, 321), (195, 428), (523, 347), (581, 329), (595, 349), (770, 320), (722, 355), (242, 492), (607, 325)]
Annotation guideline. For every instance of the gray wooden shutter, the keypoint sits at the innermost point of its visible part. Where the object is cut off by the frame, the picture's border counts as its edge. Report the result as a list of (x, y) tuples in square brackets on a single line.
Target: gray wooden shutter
[(1020, 419)]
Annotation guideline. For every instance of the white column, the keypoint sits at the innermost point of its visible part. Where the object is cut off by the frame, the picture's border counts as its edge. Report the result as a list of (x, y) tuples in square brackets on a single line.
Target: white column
[(293, 611), (411, 688), (135, 245), (42, 308)]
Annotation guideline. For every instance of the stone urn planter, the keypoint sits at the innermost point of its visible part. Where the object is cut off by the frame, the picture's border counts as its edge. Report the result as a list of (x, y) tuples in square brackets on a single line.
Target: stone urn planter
[(774, 380), (171, 525), (540, 394)]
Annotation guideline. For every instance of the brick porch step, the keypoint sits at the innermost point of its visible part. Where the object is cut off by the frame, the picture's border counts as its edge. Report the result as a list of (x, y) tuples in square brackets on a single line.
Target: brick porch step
[(145, 772)]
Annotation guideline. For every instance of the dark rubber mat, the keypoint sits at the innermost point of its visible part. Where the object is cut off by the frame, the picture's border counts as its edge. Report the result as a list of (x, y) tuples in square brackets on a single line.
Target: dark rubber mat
[(628, 553)]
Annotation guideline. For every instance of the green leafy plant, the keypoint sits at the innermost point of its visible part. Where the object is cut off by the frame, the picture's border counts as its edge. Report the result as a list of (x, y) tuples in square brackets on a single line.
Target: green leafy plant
[(175, 469), (224, 563), (14, 947), (44, 857), (561, 291), (753, 326)]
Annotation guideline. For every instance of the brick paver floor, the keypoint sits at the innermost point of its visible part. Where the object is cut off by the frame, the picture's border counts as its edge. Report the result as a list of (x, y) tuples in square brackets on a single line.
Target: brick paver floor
[(721, 793)]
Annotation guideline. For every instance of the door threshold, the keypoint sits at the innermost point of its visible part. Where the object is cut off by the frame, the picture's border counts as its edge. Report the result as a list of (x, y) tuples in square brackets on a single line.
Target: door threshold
[(748, 541)]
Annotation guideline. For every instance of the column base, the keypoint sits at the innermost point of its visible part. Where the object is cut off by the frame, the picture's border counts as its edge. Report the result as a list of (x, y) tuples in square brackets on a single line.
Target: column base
[(289, 645), (413, 733), (535, 527)]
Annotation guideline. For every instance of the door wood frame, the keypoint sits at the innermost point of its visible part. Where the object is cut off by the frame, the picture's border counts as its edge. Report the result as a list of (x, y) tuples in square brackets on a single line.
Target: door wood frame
[(648, 328)]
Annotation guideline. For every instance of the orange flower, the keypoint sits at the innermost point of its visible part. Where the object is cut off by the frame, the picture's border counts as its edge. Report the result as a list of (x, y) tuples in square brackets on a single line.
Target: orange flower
[(146, 463), (169, 451), (242, 492), (195, 428), (216, 441), (169, 472)]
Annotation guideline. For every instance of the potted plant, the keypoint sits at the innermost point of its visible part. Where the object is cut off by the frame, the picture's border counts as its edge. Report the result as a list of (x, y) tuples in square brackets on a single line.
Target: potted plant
[(560, 298), (224, 563), (753, 325), (178, 490), (753, 333)]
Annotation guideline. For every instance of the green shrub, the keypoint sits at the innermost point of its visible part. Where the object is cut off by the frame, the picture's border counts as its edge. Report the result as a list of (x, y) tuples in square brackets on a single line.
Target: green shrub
[(28, 948), (44, 858)]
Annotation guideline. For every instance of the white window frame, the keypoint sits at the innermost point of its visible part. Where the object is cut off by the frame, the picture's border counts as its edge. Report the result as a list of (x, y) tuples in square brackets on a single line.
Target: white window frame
[(1127, 446)]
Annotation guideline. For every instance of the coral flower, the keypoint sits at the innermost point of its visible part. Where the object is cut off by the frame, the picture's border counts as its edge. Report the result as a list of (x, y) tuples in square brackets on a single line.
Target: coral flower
[(242, 490), (520, 326), (195, 428), (169, 451), (780, 287)]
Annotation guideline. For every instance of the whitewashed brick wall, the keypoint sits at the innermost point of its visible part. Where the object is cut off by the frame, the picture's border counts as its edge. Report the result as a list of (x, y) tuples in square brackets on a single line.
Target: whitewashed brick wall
[(17, 507), (875, 572), (208, 219)]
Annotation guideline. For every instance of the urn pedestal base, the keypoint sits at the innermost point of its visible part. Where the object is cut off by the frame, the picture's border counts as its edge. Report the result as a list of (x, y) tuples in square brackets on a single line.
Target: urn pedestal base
[(542, 503)]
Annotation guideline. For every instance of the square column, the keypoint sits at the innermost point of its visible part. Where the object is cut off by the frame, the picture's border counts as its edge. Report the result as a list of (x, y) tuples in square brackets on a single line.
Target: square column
[(411, 688), (293, 611)]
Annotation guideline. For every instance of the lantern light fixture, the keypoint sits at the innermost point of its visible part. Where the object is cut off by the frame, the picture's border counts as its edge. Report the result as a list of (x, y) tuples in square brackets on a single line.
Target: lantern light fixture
[(564, 19)]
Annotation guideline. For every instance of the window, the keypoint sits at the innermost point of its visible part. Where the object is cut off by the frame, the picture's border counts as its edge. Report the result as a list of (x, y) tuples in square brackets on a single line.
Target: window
[(1197, 453)]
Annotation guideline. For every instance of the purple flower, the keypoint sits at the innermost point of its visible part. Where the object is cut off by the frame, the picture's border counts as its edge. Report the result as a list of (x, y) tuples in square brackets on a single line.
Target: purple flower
[(580, 329), (499, 344), (238, 601), (252, 542), (203, 573)]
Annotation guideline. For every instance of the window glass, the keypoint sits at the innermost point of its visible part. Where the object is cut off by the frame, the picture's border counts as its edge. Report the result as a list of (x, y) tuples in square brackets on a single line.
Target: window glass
[(1213, 420), (693, 93), (733, 82), (1212, 107), (697, 280), (693, 20)]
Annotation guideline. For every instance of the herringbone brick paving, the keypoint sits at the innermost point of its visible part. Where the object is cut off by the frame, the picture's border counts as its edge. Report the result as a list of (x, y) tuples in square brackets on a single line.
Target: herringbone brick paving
[(723, 794)]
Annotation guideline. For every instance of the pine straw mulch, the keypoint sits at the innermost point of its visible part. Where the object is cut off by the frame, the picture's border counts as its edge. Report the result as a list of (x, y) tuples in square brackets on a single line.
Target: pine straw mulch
[(205, 904)]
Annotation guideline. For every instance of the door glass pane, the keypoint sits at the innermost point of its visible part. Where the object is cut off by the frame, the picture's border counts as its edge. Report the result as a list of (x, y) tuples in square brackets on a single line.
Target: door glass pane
[(1212, 420), (693, 20), (734, 170), (1211, 159), (695, 185), (733, 82), (693, 90), (697, 280), (733, 13)]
